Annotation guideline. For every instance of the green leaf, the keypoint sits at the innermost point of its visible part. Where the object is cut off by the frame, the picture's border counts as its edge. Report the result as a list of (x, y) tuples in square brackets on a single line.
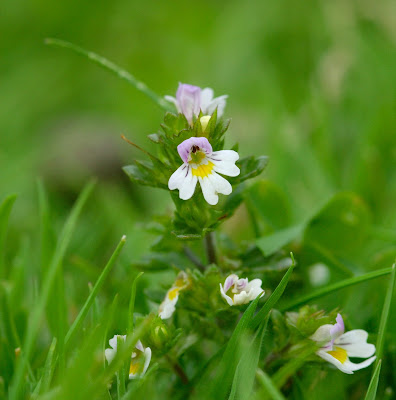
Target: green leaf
[(267, 201), (269, 387), (250, 167), (95, 290), (372, 389), (5, 211), (270, 244), (341, 226), (385, 314), (334, 287), (144, 173), (49, 368), (275, 296)]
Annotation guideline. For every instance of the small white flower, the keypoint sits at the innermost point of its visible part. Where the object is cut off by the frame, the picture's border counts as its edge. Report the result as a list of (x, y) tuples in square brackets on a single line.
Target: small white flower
[(140, 359), (340, 346), (168, 306), (203, 164), (240, 291), (190, 100)]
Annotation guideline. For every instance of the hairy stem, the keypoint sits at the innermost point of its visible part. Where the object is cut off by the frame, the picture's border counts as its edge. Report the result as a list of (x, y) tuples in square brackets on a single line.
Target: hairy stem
[(210, 248)]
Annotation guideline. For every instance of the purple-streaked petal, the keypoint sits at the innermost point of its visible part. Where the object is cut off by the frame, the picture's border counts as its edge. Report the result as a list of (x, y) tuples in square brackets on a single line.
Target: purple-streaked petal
[(322, 334), (189, 100), (338, 328), (184, 148), (219, 103), (230, 281), (355, 343)]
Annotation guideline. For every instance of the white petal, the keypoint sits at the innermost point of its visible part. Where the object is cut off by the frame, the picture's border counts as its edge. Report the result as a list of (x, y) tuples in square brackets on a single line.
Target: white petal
[(220, 184), (110, 354), (230, 281), (139, 346), (355, 343), (355, 367), (113, 341), (226, 155), (167, 308), (328, 357), (206, 99), (227, 298), (184, 180), (322, 334), (208, 191), (219, 103), (147, 359), (241, 298)]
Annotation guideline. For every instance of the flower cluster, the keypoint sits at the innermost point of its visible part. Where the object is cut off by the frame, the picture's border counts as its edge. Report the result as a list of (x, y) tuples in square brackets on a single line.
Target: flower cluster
[(338, 346)]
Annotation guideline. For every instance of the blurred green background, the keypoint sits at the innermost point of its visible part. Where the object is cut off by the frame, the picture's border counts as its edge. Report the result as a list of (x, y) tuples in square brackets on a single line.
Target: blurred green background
[(311, 84)]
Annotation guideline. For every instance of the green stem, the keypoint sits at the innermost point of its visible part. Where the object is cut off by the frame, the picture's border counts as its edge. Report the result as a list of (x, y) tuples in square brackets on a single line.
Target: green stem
[(110, 66), (193, 258), (210, 248)]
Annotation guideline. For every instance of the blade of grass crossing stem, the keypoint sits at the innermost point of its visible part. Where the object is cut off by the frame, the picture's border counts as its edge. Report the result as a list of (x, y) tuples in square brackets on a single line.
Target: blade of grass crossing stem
[(95, 290), (385, 315), (109, 322), (336, 286), (268, 386), (5, 211), (221, 383), (284, 373), (132, 302), (39, 307), (372, 389), (49, 368), (276, 295), (121, 373), (243, 382), (110, 66)]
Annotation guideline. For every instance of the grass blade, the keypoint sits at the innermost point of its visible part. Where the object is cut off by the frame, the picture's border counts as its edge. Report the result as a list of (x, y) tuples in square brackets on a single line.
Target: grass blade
[(39, 307), (336, 286), (132, 302), (95, 290), (372, 389), (110, 66), (385, 315), (262, 314), (5, 211), (268, 387)]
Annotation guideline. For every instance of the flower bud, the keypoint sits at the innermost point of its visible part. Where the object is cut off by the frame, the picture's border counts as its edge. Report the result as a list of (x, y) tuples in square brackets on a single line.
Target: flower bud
[(204, 122)]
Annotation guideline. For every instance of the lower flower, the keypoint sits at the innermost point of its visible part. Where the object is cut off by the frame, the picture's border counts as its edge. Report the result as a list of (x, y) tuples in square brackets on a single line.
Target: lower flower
[(339, 346), (240, 291), (168, 306), (140, 359)]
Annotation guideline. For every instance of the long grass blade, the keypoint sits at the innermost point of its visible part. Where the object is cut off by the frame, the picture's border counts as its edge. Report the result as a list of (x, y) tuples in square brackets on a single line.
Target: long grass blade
[(334, 287), (268, 387), (385, 315), (276, 295), (5, 211), (39, 307), (372, 389), (110, 66), (95, 290), (132, 302)]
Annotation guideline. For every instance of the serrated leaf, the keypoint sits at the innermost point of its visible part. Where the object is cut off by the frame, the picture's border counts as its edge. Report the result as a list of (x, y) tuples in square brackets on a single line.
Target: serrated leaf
[(250, 167), (144, 174)]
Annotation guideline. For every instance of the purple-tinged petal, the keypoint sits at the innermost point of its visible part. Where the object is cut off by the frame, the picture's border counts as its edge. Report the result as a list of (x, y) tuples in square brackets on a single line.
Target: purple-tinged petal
[(188, 98), (184, 148), (230, 281), (339, 328)]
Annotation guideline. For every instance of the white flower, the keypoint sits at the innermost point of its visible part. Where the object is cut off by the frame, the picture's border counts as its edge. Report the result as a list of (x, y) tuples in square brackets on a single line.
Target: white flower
[(190, 100), (340, 346), (203, 165), (168, 306), (240, 291), (140, 359)]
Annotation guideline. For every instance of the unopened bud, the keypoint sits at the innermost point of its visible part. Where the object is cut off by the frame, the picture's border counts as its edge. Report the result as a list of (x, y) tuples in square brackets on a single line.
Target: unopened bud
[(204, 122)]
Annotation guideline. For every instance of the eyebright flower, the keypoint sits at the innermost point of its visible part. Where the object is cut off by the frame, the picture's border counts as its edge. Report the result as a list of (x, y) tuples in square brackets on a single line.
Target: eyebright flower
[(340, 346), (190, 100), (240, 291), (168, 306), (140, 359), (203, 164)]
